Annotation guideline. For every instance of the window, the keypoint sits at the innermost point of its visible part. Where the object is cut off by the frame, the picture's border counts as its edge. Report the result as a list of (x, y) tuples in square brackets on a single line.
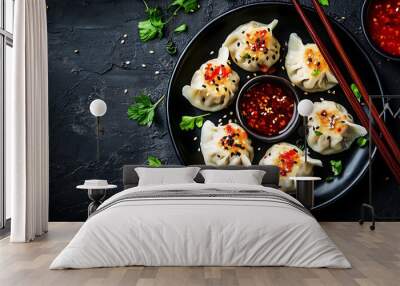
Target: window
[(6, 64)]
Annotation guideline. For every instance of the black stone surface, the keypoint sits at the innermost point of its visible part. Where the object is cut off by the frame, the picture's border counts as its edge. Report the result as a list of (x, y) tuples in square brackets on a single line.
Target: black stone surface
[(87, 61)]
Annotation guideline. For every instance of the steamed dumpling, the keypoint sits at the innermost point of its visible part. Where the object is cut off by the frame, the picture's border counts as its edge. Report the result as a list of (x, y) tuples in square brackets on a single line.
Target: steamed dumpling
[(214, 85), (253, 47), (306, 66), (225, 145), (291, 162), (331, 129)]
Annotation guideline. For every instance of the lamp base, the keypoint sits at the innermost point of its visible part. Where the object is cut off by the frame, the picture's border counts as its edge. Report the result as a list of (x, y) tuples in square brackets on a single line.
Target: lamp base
[(372, 210)]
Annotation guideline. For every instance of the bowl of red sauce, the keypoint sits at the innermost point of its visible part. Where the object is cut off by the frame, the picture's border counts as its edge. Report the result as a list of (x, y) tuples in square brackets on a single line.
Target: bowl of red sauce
[(381, 26), (267, 108)]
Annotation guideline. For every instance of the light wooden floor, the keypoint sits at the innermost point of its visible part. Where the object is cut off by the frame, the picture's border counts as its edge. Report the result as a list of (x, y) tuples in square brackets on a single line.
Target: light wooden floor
[(375, 257)]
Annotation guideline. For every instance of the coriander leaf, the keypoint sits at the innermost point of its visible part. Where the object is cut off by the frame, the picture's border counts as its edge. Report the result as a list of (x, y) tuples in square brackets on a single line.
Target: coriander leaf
[(171, 48), (153, 161), (151, 27), (188, 122), (362, 141), (181, 28), (337, 167), (317, 133), (246, 56), (315, 72), (147, 31), (324, 2), (329, 179), (143, 110), (356, 92), (189, 6)]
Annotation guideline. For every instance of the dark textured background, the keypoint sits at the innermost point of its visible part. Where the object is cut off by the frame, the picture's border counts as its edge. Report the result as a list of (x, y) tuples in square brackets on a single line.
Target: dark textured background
[(96, 29)]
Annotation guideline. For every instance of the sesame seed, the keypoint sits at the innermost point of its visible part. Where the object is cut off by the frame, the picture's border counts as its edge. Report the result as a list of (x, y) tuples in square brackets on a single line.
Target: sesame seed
[(122, 41), (220, 120), (128, 62), (334, 92), (125, 91), (125, 35), (151, 52), (225, 116), (321, 99), (305, 93), (198, 150), (231, 113), (254, 74), (157, 72), (212, 52), (195, 138), (230, 121), (76, 51), (259, 148), (283, 68), (143, 65), (247, 76)]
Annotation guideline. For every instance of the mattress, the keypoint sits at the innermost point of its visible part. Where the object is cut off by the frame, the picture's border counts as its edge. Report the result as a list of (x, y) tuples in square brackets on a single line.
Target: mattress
[(201, 225)]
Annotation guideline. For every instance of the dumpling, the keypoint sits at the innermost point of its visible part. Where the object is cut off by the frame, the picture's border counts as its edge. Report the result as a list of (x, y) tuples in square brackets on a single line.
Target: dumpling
[(225, 145), (331, 129), (253, 47), (214, 85), (306, 66), (291, 162)]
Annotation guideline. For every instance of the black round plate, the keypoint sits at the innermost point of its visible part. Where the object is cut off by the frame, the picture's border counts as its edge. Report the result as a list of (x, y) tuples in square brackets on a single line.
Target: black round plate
[(205, 45)]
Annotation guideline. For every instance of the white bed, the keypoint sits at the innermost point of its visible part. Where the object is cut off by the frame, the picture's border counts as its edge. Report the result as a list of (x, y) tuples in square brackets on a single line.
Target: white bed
[(260, 227)]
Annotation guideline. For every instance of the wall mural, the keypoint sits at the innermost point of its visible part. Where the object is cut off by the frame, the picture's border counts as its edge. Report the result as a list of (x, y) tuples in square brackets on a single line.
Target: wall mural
[(125, 53)]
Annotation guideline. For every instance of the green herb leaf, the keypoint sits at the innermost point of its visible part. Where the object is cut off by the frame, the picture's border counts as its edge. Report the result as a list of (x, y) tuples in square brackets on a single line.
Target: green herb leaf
[(181, 28), (246, 56), (324, 2), (356, 92), (188, 122), (151, 27), (153, 161), (143, 110), (189, 6), (362, 141), (317, 133), (315, 72), (171, 48), (337, 167), (329, 179)]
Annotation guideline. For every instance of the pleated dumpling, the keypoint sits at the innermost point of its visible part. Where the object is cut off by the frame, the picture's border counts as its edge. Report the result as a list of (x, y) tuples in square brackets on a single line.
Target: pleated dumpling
[(225, 145), (306, 67), (291, 162), (214, 85), (253, 47), (331, 128)]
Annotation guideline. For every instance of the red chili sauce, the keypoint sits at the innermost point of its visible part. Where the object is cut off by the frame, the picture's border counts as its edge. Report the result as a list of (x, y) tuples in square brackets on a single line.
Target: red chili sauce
[(267, 108), (384, 25)]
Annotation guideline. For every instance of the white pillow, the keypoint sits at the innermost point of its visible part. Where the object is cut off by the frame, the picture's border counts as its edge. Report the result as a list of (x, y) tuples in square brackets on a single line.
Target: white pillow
[(166, 176), (246, 177)]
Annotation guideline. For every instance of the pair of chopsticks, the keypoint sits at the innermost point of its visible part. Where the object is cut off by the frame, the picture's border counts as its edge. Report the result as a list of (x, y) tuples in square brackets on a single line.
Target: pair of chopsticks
[(389, 152)]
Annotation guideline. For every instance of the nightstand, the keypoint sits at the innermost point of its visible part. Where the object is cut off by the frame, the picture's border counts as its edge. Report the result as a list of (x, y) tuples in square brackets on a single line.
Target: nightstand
[(96, 192), (305, 190)]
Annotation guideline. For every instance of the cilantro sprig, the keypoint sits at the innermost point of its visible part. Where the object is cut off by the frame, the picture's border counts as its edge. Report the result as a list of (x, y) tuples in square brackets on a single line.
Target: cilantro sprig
[(317, 133), (189, 122), (315, 72), (181, 28), (324, 2), (154, 25), (356, 92), (143, 110), (336, 167), (153, 161), (362, 141)]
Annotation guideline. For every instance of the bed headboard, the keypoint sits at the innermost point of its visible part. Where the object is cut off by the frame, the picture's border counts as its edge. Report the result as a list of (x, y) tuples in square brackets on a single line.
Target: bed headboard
[(271, 179)]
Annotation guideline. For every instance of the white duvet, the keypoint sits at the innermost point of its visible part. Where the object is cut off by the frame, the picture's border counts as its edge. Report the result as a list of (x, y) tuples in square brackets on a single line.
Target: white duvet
[(200, 231)]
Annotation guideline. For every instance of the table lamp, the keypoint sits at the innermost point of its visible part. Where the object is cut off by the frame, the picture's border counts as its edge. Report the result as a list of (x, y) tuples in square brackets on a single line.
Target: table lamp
[(305, 108), (98, 108)]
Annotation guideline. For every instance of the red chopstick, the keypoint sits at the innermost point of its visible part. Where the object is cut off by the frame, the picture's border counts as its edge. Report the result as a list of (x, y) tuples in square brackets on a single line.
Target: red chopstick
[(375, 114), (392, 163)]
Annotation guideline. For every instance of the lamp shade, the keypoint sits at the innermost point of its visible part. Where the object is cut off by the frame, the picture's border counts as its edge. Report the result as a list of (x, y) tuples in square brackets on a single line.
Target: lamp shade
[(98, 107), (305, 107)]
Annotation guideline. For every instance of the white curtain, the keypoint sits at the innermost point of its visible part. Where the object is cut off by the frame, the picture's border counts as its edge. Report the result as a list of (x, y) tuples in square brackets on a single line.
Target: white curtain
[(27, 124)]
